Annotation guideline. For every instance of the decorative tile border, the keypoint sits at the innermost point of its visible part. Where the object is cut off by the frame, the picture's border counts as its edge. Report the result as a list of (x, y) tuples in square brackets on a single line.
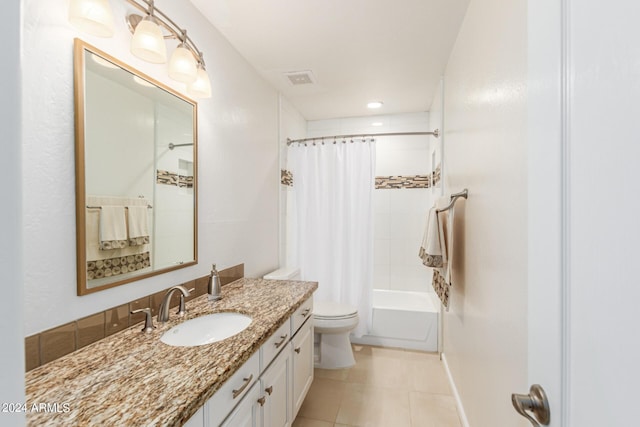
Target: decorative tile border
[(166, 177), (172, 178), (391, 182), (436, 175), (116, 266), (399, 181), (286, 177), (56, 342), (185, 181)]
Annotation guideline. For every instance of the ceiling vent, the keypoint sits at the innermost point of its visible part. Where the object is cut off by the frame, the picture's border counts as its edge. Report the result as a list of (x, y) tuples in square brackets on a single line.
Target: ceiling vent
[(296, 78)]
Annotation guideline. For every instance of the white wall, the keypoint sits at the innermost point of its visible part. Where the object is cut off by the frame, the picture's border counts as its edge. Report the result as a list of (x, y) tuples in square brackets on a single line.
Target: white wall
[(399, 214), (485, 340), (11, 249), (238, 162)]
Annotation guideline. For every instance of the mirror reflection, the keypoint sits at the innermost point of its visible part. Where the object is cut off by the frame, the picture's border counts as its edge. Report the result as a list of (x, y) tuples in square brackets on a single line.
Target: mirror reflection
[(135, 174)]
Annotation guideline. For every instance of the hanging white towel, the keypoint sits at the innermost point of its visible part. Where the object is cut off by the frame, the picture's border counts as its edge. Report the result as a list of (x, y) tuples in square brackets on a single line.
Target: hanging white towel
[(442, 276), (432, 251), (138, 225), (113, 227)]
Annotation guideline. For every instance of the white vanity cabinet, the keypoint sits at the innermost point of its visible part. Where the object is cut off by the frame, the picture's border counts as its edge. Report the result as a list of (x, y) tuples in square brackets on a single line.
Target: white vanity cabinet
[(269, 388)]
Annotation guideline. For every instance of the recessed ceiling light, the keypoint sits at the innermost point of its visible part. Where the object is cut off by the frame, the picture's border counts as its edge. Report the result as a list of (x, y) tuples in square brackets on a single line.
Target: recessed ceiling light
[(376, 124), (374, 104)]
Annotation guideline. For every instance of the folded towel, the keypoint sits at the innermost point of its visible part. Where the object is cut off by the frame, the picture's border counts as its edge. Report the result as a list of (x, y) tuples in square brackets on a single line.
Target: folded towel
[(138, 227), (433, 251), (113, 227)]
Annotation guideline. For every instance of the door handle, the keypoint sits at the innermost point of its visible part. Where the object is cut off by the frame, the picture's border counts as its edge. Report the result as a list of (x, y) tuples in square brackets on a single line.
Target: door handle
[(536, 402)]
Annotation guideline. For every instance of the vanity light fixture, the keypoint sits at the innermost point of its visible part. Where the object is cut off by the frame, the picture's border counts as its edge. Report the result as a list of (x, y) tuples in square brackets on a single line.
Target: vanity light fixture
[(201, 87), (92, 16), (182, 65), (148, 42), (374, 104)]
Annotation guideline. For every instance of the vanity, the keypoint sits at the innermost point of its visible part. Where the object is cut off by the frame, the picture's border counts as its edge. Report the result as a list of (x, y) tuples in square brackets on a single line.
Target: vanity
[(258, 377)]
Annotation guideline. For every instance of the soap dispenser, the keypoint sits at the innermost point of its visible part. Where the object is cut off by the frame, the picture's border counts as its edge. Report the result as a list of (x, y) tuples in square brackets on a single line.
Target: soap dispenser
[(213, 287)]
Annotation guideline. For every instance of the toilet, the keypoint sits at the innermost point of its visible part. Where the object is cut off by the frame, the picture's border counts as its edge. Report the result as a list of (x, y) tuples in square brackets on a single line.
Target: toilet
[(332, 324)]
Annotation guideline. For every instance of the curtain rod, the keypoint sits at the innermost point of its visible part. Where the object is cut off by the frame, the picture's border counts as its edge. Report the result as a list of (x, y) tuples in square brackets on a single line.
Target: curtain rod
[(435, 133)]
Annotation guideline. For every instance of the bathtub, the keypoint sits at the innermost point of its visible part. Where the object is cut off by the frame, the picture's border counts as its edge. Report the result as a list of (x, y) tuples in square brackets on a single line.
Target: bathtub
[(403, 319)]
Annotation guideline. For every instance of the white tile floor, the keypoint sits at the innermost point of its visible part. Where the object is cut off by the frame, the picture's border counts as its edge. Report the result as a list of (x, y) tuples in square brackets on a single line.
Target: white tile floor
[(386, 388)]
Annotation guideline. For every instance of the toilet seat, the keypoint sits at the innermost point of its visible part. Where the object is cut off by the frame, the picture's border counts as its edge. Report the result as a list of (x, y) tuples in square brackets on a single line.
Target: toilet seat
[(333, 311)]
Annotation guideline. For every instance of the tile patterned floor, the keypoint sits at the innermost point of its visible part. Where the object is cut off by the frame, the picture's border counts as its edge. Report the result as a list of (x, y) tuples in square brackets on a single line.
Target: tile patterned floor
[(386, 388)]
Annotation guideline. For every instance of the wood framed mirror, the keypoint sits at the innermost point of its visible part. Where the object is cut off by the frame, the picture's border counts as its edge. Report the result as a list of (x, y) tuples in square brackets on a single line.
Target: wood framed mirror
[(136, 173)]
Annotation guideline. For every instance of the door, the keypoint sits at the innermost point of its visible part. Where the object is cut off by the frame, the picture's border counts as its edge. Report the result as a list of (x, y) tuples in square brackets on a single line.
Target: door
[(583, 209)]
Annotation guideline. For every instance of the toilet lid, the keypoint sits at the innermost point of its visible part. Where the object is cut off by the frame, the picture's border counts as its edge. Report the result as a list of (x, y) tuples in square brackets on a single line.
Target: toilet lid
[(333, 310)]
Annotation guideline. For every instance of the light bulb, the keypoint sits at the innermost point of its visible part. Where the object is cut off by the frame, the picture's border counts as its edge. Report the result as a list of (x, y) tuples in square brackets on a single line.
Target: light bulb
[(182, 65), (148, 42), (92, 16), (201, 87)]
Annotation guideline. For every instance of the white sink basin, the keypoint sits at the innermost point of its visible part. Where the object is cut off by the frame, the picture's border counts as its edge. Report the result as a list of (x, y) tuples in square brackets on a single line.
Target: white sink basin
[(206, 329)]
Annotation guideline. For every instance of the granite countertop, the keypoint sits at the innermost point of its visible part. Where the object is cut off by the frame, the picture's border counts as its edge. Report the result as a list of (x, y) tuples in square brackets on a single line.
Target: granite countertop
[(133, 379)]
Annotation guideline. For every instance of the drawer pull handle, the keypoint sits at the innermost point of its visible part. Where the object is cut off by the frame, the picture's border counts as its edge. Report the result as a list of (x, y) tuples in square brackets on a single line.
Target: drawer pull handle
[(262, 400), (239, 391), (305, 313), (269, 390), (297, 350), (284, 337)]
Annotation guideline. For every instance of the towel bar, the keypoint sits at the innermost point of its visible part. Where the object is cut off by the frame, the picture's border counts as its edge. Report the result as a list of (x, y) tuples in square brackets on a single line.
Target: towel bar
[(464, 194)]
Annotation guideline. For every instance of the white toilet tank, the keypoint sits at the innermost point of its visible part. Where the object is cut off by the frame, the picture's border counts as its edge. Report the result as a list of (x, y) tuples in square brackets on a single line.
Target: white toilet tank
[(285, 273)]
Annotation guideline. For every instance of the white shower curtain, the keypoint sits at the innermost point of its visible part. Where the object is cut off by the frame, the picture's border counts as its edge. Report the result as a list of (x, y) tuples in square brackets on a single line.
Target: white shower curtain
[(333, 187)]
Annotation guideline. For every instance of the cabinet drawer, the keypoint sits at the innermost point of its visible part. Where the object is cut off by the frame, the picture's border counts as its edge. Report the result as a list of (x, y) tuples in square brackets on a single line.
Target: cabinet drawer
[(275, 344), (232, 392), (301, 314)]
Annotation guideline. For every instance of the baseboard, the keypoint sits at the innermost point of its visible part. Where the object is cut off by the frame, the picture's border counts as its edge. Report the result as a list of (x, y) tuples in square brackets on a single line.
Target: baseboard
[(463, 417)]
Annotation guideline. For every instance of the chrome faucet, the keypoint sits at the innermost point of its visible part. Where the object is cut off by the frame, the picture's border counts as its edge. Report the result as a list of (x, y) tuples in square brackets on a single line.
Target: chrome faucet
[(163, 311)]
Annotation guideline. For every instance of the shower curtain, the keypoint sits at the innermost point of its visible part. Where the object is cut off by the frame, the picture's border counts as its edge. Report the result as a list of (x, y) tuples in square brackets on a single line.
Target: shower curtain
[(333, 186)]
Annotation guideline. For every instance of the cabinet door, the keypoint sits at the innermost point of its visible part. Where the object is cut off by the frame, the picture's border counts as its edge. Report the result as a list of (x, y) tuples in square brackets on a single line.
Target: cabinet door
[(276, 388), (248, 413), (302, 354)]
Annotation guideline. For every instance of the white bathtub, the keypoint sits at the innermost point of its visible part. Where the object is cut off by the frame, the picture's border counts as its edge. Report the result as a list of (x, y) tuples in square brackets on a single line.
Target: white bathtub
[(403, 319)]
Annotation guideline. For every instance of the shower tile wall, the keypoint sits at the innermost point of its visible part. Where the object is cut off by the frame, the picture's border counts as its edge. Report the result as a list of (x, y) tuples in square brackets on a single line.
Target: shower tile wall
[(398, 227), (399, 214)]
